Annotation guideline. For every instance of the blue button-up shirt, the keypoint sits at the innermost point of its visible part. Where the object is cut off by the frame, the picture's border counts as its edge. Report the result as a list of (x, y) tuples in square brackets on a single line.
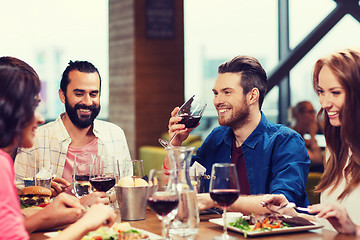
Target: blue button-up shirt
[(275, 156)]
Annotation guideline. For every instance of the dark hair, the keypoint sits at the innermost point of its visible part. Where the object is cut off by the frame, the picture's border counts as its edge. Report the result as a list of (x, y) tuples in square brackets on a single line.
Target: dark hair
[(345, 65), (81, 66), (17, 63), (18, 99), (252, 74)]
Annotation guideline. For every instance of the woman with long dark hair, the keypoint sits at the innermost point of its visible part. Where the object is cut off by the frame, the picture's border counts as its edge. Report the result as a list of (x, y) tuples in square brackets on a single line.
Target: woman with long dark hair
[(19, 97), (336, 80)]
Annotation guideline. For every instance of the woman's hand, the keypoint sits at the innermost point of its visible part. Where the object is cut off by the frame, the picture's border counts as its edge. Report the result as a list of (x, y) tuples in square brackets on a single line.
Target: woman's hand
[(65, 209), (336, 215), (98, 215)]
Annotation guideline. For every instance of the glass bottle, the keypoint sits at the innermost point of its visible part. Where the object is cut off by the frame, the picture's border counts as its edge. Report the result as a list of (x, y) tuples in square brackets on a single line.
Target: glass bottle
[(186, 222)]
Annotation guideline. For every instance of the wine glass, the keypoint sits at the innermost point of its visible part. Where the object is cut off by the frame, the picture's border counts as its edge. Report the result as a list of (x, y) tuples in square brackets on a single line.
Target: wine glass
[(83, 164), (103, 173), (163, 198), (224, 189), (190, 112)]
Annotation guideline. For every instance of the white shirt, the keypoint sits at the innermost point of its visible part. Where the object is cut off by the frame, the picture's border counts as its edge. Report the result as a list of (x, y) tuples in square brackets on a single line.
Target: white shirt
[(350, 202), (51, 145)]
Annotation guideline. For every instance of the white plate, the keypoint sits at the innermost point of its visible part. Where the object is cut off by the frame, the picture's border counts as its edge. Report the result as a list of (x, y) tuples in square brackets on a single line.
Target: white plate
[(220, 221), (151, 235)]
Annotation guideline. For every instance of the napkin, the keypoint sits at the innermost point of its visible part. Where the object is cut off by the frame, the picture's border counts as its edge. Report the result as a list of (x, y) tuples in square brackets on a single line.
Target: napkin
[(197, 169)]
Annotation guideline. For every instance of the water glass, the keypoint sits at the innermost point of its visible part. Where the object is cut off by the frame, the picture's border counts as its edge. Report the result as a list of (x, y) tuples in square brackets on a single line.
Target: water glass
[(83, 164)]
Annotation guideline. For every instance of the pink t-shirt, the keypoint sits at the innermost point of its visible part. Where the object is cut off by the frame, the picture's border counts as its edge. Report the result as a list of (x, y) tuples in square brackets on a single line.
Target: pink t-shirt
[(91, 148), (11, 219)]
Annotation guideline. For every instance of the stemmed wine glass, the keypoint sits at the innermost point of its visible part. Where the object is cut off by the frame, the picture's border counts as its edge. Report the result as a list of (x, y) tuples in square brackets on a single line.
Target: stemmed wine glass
[(83, 164), (103, 174), (163, 197), (190, 112), (224, 189)]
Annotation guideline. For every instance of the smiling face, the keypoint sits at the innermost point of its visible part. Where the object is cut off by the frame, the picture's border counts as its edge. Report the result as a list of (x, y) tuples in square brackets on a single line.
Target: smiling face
[(82, 99), (230, 101), (29, 131), (331, 95)]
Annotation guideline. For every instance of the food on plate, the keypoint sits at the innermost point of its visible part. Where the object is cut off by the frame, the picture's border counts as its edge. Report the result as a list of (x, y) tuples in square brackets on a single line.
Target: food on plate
[(34, 196), (119, 231), (130, 182), (266, 222)]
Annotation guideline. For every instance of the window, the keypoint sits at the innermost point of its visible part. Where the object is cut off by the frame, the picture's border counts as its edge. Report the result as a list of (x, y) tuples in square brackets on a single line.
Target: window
[(47, 34), (216, 31)]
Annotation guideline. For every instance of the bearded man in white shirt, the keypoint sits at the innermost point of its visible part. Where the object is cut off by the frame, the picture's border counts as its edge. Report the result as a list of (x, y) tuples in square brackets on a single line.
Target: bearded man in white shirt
[(74, 132)]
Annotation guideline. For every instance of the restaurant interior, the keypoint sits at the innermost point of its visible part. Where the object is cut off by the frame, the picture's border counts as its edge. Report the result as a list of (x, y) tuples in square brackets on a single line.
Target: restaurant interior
[(155, 54)]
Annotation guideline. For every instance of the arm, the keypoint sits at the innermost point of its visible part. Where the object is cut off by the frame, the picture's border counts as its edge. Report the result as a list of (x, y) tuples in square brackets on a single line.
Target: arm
[(290, 168), (244, 204), (65, 209), (98, 215)]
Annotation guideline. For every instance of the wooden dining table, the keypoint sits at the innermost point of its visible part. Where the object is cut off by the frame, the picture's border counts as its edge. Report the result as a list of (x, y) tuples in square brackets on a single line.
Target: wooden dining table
[(208, 230)]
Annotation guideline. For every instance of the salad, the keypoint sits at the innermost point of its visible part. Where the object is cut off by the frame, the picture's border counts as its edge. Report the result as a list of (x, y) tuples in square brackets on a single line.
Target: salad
[(119, 231)]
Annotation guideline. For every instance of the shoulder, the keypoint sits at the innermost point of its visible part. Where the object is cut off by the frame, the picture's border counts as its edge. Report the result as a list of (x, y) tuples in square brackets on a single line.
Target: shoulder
[(54, 125), (104, 125)]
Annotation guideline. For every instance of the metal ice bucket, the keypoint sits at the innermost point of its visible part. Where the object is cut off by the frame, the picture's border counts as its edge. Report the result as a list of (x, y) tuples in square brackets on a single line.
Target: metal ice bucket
[(132, 202)]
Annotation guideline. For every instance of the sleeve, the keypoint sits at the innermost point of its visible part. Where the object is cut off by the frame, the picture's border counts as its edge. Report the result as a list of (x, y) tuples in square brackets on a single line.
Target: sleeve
[(24, 166), (11, 221), (290, 169)]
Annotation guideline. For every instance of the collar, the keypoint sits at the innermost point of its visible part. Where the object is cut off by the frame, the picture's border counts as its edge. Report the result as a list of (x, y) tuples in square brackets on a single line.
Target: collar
[(96, 127), (253, 138)]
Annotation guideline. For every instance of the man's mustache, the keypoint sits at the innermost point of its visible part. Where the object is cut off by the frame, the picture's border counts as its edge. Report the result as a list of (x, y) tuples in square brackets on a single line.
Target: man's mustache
[(83, 106)]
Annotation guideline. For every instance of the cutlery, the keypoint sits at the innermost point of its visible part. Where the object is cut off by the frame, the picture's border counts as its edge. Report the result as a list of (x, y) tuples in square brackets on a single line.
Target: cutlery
[(288, 205)]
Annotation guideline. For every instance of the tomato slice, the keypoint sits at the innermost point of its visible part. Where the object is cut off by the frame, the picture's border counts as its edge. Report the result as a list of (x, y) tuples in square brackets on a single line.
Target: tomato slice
[(43, 205)]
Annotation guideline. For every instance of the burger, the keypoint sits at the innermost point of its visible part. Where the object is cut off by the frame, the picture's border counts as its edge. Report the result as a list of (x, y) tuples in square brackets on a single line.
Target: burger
[(34, 196)]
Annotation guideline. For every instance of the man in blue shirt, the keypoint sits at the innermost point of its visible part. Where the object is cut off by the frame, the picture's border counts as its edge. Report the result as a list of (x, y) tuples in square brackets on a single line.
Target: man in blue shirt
[(270, 158)]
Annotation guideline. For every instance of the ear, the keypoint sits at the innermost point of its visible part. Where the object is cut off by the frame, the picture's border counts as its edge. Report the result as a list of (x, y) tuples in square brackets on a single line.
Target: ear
[(62, 96), (253, 96)]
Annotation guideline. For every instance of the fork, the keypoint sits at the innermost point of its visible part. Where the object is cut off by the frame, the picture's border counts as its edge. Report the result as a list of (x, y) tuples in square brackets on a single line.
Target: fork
[(288, 205)]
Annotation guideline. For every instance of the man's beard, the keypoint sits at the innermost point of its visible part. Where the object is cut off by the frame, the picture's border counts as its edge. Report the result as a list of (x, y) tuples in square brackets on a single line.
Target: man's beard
[(238, 118), (75, 119)]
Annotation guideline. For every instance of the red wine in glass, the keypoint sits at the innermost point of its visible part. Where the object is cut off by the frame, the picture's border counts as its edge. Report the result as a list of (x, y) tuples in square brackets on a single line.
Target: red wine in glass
[(102, 184), (224, 197), (189, 121), (224, 190), (163, 205)]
